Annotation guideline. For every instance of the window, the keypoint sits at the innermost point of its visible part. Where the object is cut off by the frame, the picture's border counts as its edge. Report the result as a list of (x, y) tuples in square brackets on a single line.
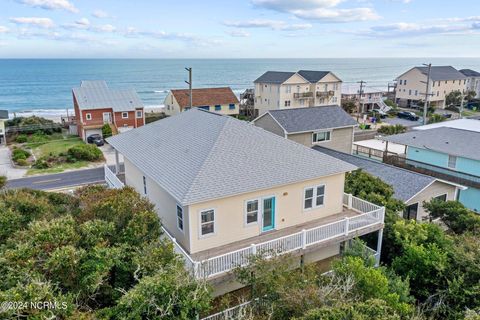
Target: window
[(124, 115), (231, 106), (251, 212), (442, 197), (288, 89), (410, 92), (445, 82), (401, 81), (416, 92), (144, 185), (453, 81), (411, 212), (438, 92), (179, 217), (139, 114), (88, 116), (433, 84), (287, 103), (325, 87), (404, 82), (321, 136), (314, 197), (218, 107), (205, 108), (207, 222), (452, 162)]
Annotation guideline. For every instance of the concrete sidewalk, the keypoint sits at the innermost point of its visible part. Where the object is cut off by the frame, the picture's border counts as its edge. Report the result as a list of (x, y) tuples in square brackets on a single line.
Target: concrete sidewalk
[(6, 167)]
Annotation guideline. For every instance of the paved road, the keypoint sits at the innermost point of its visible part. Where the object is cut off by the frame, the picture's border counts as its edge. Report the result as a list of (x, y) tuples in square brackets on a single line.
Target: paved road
[(60, 180)]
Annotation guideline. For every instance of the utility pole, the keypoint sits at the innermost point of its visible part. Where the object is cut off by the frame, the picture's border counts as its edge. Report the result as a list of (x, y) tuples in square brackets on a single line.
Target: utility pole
[(427, 94), (461, 105), (360, 104), (189, 82)]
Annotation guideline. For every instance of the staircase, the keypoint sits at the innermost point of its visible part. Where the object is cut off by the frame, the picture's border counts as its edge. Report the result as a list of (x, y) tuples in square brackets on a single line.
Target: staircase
[(383, 107), (114, 129)]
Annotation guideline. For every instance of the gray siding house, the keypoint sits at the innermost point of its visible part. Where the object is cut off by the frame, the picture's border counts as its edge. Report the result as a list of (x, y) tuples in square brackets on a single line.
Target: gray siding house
[(328, 126)]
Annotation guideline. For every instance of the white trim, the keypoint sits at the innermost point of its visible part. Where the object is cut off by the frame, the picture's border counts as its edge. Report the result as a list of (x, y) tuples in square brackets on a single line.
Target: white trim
[(285, 133), (136, 114), (314, 197), (200, 235), (274, 196), (123, 112), (332, 128), (245, 222), (88, 116), (458, 186), (322, 131), (441, 194), (183, 218), (418, 207)]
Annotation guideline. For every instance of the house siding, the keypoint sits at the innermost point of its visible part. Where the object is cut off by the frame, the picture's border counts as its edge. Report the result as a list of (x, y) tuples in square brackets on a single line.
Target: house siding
[(340, 139), (230, 212), (470, 198), (165, 204), (268, 123)]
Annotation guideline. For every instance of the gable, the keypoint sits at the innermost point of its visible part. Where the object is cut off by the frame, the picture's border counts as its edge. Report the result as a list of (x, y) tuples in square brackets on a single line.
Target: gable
[(296, 79)]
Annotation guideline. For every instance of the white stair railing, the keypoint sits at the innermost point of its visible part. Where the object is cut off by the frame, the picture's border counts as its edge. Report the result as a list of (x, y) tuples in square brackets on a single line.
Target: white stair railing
[(111, 179)]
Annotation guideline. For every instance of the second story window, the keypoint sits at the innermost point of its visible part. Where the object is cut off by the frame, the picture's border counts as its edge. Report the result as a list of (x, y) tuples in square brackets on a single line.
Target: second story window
[(288, 89), (207, 222), (88, 116), (251, 211), (314, 197), (179, 217), (321, 136), (452, 162), (287, 103), (124, 115)]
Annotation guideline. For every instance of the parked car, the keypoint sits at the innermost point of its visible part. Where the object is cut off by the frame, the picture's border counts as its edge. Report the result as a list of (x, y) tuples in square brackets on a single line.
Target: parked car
[(382, 114), (96, 139), (407, 115)]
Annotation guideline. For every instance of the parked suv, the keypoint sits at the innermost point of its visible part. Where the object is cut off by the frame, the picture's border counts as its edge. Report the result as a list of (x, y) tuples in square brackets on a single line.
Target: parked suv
[(96, 139), (407, 115)]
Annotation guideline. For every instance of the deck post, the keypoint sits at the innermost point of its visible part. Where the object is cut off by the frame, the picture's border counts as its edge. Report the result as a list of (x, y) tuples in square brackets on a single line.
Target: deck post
[(379, 247), (350, 201), (254, 248), (117, 162), (347, 222), (304, 239)]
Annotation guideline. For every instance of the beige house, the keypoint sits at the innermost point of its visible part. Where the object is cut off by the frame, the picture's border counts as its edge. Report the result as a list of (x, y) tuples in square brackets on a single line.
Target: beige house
[(411, 85), (328, 126), (473, 81), (370, 97), (3, 118), (220, 100), (412, 188), (225, 190), (286, 90)]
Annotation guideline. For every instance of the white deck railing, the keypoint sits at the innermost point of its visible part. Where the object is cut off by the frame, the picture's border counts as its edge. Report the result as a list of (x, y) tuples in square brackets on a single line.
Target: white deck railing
[(112, 180), (370, 215)]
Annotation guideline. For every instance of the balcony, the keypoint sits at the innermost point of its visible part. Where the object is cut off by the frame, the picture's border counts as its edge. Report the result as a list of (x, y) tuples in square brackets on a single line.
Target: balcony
[(465, 179), (359, 217), (325, 94), (303, 95)]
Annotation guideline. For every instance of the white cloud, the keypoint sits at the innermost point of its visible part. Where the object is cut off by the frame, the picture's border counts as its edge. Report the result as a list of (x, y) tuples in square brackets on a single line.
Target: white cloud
[(100, 14), (319, 10), (51, 4), (34, 21), (271, 24), (3, 29), (83, 22), (105, 28), (239, 33)]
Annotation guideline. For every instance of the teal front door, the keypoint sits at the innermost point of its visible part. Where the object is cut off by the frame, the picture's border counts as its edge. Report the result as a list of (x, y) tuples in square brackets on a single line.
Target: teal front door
[(268, 214)]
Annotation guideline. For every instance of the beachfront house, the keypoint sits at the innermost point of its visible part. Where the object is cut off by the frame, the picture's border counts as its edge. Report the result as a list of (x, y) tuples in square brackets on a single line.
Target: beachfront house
[(96, 104), (412, 188), (328, 126), (226, 190), (370, 98), (473, 81), (411, 86), (220, 100), (448, 153), (287, 90), (3, 118)]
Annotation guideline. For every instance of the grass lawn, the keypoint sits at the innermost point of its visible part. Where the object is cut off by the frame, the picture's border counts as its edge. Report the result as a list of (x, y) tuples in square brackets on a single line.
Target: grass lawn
[(55, 146), (59, 168)]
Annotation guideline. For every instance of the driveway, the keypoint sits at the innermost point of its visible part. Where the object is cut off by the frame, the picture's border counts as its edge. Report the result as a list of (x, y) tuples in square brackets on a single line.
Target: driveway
[(109, 154), (6, 168), (403, 122)]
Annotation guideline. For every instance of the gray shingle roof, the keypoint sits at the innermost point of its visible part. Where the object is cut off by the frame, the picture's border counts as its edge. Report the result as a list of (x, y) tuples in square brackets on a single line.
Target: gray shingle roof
[(442, 73), (457, 142), (3, 114), (405, 184), (198, 156), (312, 118), (274, 77), (470, 73), (97, 95), (313, 76)]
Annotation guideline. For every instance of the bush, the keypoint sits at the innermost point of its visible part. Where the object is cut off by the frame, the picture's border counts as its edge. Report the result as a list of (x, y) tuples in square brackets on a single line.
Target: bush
[(19, 154), (435, 117), (88, 152), (389, 130), (41, 164), (106, 130), (390, 103), (3, 181), (21, 138), (22, 162)]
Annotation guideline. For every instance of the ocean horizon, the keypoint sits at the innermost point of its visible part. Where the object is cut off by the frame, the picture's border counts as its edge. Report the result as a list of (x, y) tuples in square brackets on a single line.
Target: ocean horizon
[(43, 86)]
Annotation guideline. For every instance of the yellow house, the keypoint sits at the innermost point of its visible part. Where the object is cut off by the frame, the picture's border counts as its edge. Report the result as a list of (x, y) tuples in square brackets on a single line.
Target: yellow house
[(220, 100), (226, 190), (285, 90), (3, 118), (412, 85)]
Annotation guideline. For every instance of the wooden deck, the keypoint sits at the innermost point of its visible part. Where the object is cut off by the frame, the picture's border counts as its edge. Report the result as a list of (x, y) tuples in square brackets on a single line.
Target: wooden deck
[(270, 235)]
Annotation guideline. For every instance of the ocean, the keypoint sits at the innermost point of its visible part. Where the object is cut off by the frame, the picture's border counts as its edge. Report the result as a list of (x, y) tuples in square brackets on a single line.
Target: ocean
[(43, 86)]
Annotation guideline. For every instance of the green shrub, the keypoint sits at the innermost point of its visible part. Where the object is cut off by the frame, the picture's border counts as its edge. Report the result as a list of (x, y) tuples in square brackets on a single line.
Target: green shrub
[(106, 130), (20, 154), (389, 130), (86, 152), (21, 138), (41, 164), (22, 162), (3, 181)]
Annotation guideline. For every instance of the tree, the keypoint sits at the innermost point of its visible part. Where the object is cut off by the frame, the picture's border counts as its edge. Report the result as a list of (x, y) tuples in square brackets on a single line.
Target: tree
[(455, 215), (3, 181), (106, 130), (349, 106)]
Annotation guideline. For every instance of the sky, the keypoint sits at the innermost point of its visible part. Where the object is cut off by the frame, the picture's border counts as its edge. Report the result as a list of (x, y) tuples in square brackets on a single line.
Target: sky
[(239, 28)]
